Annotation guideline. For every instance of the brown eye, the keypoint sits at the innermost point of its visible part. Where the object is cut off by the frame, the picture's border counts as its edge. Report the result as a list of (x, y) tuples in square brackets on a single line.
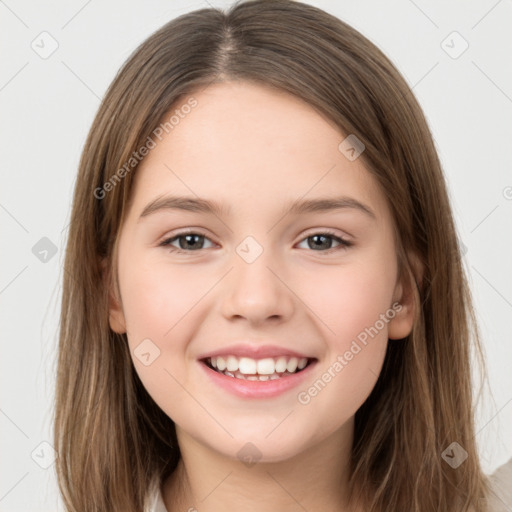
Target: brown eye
[(187, 242), (323, 242)]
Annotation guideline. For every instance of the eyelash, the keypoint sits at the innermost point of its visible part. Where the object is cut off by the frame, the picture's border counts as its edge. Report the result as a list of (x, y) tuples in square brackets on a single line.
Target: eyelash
[(344, 244)]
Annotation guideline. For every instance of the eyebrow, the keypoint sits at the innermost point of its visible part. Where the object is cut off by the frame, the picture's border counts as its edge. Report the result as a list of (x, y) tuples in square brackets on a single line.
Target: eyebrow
[(298, 207)]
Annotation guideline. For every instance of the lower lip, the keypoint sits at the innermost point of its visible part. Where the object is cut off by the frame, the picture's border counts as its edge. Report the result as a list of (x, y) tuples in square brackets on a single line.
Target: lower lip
[(256, 388)]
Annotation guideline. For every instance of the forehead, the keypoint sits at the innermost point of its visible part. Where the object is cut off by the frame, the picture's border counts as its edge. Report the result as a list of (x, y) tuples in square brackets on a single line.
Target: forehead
[(249, 146)]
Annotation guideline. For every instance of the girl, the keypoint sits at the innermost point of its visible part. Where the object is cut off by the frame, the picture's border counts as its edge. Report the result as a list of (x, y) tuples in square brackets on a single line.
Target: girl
[(264, 304)]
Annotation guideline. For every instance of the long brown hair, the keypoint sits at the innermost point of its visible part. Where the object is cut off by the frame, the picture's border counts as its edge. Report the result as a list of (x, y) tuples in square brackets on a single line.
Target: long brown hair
[(113, 441)]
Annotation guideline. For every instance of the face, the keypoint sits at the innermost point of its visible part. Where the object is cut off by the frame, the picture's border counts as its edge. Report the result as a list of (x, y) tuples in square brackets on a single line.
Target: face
[(257, 283)]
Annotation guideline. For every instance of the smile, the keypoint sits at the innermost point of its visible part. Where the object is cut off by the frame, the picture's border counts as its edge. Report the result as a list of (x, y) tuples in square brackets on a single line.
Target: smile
[(268, 368)]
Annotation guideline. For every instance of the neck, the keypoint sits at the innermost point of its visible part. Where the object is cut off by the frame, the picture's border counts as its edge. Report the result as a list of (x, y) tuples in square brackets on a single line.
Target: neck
[(313, 480)]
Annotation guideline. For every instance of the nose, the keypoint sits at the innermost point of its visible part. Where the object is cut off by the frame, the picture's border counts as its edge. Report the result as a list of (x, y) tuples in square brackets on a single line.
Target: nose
[(257, 292)]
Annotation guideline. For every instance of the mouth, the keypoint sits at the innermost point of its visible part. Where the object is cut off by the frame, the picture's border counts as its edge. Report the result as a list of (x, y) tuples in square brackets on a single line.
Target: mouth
[(265, 369)]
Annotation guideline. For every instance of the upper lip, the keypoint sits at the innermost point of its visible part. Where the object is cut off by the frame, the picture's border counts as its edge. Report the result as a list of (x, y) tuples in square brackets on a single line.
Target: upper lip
[(254, 352)]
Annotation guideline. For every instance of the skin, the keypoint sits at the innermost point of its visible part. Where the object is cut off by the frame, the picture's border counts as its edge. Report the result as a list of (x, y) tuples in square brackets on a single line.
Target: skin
[(254, 149)]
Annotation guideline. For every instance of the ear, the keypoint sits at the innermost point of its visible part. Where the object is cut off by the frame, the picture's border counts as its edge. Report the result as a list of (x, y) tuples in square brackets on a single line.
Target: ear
[(116, 315), (400, 326)]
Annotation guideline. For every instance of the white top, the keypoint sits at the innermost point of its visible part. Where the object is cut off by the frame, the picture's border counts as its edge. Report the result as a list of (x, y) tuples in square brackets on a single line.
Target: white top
[(501, 495), (156, 502), (499, 501)]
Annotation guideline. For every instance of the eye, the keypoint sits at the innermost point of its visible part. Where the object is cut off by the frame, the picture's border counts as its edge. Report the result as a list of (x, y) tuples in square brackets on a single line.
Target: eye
[(191, 241), (187, 242), (322, 241)]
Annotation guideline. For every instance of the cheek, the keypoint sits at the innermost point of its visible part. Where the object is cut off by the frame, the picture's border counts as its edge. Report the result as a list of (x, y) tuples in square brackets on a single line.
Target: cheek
[(351, 299), (354, 305), (158, 306), (353, 360), (157, 301)]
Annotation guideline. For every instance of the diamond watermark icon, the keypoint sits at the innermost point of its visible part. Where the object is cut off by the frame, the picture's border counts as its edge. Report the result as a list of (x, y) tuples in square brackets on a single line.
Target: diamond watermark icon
[(44, 45), (44, 455), (249, 454), (454, 45), (454, 455), (146, 352), (351, 147), (44, 250), (249, 249)]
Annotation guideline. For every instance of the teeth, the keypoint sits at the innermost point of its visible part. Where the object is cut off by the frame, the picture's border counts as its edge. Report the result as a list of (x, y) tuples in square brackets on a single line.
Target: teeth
[(281, 365), (232, 363), (292, 364), (241, 376), (261, 369), (266, 366), (247, 366)]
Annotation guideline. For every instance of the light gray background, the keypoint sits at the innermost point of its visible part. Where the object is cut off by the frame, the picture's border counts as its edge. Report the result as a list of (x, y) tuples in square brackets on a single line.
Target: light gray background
[(48, 106)]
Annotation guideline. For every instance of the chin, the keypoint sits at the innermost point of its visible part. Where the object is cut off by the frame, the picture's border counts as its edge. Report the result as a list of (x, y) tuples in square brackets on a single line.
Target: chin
[(251, 449)]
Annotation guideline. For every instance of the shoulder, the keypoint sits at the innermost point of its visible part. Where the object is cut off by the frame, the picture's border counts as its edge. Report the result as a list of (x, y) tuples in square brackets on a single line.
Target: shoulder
[(500, 499)]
